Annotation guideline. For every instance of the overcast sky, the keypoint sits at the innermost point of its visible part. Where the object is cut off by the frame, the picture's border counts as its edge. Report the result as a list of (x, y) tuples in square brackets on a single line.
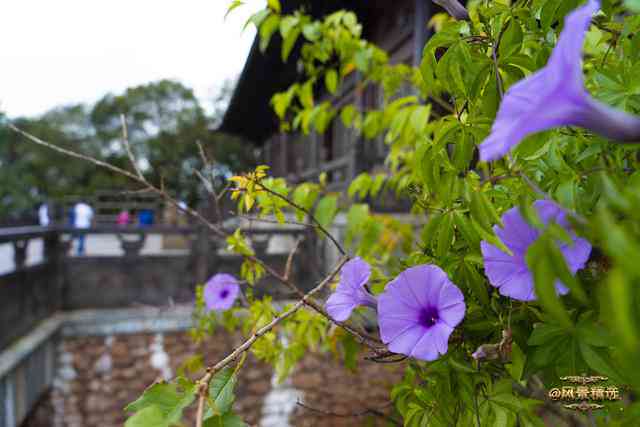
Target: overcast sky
[(65, 51)]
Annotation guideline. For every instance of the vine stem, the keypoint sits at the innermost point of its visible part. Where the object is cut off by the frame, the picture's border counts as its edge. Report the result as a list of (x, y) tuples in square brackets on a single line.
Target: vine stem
[(203, 384), (306, 211), (361, 336)]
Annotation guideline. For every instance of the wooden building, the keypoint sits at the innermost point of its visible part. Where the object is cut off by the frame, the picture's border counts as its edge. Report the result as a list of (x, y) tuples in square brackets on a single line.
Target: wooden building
[(399, 27)]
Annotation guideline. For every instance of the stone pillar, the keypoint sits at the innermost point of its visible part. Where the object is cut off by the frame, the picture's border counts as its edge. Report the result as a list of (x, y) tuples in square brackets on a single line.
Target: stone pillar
[(20, 253), (201, 252)]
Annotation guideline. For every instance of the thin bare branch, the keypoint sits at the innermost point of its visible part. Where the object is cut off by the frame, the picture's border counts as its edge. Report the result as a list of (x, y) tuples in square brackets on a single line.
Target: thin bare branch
[(360, 336), (127, 146), (308, 213), (272, 221), (287, 269), (203, 386), (367, 411)]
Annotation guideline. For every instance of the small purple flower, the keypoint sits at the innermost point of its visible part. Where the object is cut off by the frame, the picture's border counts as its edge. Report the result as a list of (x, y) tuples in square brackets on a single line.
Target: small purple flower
[(510, 273), (351, 292), (221, 291), (418, 311), (555, 96)]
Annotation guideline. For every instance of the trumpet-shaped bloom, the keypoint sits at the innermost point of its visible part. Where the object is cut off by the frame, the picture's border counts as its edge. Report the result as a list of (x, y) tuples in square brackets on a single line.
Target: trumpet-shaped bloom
[(220, 292), (418, 311), (351, 292), (510, 273), (555, 96)]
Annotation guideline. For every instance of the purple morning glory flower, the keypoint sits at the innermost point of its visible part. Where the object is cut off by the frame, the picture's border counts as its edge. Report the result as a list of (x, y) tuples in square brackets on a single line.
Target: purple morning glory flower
[(221, 291), (555, 96), (351, 292), (418, 311), (510, 273)]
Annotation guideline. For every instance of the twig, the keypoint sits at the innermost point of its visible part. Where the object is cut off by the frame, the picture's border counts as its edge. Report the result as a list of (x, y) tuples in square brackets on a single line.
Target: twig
[(289, 264), (366, 411), (273, 221), (309, 214), (494, 55), (208, 183), (206, 379), (361, 337), (127, 146)]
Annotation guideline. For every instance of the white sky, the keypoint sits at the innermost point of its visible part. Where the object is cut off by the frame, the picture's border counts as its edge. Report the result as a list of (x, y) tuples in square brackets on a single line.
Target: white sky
[(57, 52)]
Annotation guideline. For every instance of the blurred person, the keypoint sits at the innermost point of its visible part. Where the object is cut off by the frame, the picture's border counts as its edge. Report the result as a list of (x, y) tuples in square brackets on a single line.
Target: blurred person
[(123, 218), (43, 215), (82, 218), (145, 218)]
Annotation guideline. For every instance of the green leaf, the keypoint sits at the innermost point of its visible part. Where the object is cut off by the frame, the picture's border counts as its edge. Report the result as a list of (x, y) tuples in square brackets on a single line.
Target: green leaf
[(360, 185), (598, 362), (516, 367), (221, 390), (538, 261), (289, 42), (305, 94), (482, 210), (326, 210), (347, 115), (304, 196), (274, 5), (226, 420), (163, 403), (420, 118), (151, 416), (445, 235), (331, 81), (511, 41), (621, 296), (234, 5), (268, 27), (633, 5), (544, 333)]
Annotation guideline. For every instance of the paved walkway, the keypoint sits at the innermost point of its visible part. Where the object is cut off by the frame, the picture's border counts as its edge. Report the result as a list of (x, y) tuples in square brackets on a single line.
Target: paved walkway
[(95, 245)]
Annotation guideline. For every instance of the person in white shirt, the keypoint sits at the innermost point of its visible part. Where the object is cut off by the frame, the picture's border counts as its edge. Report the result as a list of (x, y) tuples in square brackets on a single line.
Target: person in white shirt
[(43, 215), (82, 218)]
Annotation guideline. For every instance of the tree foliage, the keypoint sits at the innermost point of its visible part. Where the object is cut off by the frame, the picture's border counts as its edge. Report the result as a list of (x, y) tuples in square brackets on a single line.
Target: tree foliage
[(164, 121)]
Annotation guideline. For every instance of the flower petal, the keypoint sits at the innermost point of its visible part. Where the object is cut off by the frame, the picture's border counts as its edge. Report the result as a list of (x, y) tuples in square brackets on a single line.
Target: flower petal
[(433, 343), (551, 97), (354, 274), (451, 306), (340, 305), (405, 342)]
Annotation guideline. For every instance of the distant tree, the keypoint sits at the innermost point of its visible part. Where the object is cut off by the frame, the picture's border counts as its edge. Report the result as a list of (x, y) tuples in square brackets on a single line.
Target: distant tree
[(164, 122)]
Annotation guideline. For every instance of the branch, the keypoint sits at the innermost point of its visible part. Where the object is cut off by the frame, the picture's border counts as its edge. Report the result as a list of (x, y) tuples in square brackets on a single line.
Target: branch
[(361, 337), (306, 211), (454, 8), (272, 221), (289, 264), (203, 386), (209, 185), (127, 146), (366, 411)]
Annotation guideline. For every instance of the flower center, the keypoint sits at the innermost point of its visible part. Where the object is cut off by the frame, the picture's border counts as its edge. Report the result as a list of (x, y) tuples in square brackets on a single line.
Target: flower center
[(428, 317), (224, 293)]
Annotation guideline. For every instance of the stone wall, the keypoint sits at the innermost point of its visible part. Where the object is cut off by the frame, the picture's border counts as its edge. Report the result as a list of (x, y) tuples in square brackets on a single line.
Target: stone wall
[(98, 376)]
